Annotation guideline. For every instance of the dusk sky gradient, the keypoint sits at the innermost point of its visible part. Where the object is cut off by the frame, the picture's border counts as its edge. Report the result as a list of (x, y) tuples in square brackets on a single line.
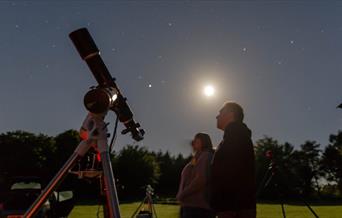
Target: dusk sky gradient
[(282, 61)]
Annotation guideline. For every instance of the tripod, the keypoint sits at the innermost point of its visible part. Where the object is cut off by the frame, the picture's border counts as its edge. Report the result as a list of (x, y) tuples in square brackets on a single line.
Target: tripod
[(96, 129), (151, 212), (266, 181)]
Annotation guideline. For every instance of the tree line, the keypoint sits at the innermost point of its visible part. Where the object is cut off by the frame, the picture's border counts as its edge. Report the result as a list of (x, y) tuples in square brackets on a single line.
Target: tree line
[(309, 170)]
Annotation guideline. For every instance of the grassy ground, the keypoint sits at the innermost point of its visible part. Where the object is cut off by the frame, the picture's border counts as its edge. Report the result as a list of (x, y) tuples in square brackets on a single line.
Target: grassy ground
[(171, 211)]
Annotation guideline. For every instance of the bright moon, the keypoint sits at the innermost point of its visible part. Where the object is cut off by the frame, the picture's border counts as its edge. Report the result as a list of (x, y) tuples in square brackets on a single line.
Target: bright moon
[(209, 91)]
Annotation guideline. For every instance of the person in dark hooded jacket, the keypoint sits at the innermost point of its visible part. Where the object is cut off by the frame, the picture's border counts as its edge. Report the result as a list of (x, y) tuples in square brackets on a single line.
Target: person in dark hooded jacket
[(232, 179)]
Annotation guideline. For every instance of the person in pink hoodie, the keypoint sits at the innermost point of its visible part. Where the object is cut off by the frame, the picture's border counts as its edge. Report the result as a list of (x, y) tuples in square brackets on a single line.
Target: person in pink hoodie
[(193, 189)]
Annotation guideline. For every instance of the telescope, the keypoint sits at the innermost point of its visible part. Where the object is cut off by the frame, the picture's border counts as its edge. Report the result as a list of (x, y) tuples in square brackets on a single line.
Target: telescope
[(106, 96), (98, 101)]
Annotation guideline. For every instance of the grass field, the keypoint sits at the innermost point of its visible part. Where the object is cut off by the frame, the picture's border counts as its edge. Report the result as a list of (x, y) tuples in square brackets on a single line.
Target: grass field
[(263, 210)]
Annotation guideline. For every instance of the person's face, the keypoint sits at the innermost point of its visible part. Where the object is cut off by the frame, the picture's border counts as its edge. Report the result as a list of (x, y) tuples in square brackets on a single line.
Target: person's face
[(196, 144), (224, 118)]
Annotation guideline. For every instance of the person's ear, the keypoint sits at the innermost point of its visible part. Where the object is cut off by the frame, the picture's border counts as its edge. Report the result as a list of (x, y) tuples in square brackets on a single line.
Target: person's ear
[(230, 115)]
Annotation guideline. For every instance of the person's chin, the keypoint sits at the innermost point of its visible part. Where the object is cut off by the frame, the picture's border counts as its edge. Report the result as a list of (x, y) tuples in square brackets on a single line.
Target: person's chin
[(218, 126)]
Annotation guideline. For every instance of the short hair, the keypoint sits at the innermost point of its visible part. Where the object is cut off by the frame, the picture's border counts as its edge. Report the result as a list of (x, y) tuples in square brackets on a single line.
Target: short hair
[(235, 108), (206, 141)]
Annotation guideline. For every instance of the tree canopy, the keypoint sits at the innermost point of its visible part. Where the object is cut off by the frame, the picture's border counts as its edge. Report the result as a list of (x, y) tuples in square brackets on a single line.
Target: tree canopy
[(307, 169)]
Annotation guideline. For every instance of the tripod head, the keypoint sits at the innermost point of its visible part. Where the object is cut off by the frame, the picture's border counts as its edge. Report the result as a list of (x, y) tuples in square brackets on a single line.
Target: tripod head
[(106, 96)]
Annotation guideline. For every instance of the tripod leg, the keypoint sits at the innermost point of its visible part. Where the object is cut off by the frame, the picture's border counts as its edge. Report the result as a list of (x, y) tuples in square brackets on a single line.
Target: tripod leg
[(283, 209), (265, 180), (110, 189), (154, 211), (310, 208), (103, 197), (80, 151), (153, 208), (137, 210)]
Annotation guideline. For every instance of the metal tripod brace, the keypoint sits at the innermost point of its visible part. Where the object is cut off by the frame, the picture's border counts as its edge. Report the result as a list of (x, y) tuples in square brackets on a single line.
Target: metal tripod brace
[(96, 130)]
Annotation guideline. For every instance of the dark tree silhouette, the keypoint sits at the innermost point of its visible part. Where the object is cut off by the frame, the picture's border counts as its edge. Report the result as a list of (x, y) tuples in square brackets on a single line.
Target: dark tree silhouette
[(135, 168), (332, 160), (307, 168), (66, 143), (170, 169), (24, 153), (296, 170)]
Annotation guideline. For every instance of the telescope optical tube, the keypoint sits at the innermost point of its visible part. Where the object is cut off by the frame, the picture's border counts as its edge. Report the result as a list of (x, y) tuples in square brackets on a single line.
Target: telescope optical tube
[(89, 52)]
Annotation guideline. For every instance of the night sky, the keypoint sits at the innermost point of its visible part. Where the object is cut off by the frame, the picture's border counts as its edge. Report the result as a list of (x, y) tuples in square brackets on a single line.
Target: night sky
[(282, 61)]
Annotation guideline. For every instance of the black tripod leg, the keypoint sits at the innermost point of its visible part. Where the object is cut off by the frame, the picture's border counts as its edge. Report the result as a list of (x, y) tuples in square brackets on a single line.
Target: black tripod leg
[(263, 183), (283, 209), (268, 180), (310, 208)]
